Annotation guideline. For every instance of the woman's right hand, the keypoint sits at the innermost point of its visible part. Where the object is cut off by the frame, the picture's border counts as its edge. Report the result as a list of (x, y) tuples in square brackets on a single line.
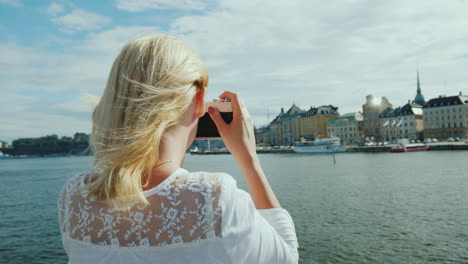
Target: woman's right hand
[(239, 138), (238, 135)]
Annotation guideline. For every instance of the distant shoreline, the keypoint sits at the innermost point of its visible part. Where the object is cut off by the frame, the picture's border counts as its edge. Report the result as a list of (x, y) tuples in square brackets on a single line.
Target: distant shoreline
[(350, 149), (353, 149), (9, 157)]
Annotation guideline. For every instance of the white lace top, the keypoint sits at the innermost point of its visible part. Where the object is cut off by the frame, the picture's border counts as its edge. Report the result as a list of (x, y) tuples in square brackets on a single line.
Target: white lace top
[(193, 217)]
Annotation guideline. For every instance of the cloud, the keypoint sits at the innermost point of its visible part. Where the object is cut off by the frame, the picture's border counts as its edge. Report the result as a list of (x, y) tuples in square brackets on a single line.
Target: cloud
[(273, 53), (314, 53), (15, 3), (81, 20), (55, 9), (51, 91), (41, 114), (141, 5), (111, 41)]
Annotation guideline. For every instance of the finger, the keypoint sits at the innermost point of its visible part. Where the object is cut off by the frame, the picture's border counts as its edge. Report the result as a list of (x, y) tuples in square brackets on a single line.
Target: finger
[(217, 119), (235, 102)]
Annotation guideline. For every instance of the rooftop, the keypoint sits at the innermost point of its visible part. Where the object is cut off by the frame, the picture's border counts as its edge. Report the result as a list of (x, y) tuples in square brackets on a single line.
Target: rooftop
[(407, 109), (447, 100), (349, 117)]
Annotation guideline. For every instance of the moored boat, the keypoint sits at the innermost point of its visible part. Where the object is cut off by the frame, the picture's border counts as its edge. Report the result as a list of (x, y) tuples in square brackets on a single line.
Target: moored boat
[(326, 145), (409, 148)]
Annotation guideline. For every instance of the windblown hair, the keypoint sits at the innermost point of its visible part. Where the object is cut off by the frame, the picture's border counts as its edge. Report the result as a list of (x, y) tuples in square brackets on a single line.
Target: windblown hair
[(151, 85)]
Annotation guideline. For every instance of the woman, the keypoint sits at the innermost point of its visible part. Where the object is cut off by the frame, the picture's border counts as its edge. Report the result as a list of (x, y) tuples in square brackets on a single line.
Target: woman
[(137, 204)]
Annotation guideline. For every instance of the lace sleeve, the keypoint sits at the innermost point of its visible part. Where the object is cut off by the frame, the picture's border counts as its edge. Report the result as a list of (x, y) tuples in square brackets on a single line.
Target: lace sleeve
[(253, 236), (63, 202), (61, 209)]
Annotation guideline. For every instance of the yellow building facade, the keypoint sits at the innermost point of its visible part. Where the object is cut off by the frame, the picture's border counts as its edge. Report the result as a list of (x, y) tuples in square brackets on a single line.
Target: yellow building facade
[(313, 123)]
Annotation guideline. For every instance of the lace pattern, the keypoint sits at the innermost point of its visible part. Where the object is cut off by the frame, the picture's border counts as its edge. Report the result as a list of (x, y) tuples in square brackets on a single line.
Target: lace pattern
[(184, 208)]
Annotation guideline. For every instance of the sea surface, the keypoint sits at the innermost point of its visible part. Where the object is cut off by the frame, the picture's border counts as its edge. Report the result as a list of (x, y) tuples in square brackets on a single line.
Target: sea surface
[(366, 208)]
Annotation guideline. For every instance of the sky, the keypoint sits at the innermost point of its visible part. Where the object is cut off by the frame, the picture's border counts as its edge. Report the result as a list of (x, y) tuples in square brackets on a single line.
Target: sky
[(273, 53)]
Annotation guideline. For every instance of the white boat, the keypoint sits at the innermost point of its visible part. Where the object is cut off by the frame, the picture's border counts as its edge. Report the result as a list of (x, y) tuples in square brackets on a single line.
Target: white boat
[(325, 145), (5, 156), (194, 150)]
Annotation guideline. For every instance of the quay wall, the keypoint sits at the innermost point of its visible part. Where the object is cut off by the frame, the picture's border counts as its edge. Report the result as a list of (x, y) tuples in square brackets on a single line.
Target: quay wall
[(369, 149), (449, 147)]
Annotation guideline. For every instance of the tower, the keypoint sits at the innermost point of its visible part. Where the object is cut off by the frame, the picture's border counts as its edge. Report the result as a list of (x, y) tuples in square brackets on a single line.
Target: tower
[(419, 99)]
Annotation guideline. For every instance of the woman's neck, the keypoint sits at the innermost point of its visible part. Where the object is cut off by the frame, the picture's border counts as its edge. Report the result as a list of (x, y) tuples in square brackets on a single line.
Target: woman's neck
[(172, 148)]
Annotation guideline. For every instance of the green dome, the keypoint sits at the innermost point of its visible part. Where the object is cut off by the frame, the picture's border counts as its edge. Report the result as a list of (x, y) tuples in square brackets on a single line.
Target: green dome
[(419, 99)]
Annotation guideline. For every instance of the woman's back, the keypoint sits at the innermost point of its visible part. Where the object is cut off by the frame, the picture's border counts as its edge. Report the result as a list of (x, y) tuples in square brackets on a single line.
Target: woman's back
[(192, 218), (143, 124)]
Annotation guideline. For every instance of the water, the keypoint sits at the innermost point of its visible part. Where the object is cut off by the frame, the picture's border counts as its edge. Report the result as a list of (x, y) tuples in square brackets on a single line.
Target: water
[(368, 208)]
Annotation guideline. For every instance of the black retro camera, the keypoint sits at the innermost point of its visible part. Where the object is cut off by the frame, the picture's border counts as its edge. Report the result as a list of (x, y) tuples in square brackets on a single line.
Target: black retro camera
[(206, 127)]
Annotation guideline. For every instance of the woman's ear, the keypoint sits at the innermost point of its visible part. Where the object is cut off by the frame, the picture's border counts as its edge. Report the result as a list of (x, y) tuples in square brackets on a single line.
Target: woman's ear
[(200, 102)]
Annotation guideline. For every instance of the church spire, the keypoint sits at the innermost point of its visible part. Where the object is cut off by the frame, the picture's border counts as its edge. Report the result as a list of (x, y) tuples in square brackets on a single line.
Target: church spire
[(419, 99), (419, 85)]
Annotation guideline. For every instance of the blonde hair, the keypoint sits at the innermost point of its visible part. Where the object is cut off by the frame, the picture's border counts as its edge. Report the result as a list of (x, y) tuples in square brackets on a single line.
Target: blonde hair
[(151, 85)]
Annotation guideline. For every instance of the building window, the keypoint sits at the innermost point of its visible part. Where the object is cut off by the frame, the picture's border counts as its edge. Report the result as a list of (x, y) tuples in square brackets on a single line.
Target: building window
[(448, 117), (461, 124)]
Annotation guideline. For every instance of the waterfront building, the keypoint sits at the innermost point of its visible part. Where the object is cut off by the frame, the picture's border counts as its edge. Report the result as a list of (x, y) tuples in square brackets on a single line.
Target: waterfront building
[(290, 124), (446, 116), (313, 123), (403, 122), (294, 124), (3, 144), (284, 128), (266, 135), (371, 110), (347, 127), (276, 130), (262, 135)]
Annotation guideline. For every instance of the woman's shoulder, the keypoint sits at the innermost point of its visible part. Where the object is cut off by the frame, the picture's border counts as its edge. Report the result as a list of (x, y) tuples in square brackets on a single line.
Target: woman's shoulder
[(73, 182), (222, 179), (220, 184)]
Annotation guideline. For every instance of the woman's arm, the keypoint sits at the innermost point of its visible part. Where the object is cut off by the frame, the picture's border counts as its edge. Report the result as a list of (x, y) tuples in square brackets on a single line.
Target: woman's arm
[(239, 138), (252, 235)]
